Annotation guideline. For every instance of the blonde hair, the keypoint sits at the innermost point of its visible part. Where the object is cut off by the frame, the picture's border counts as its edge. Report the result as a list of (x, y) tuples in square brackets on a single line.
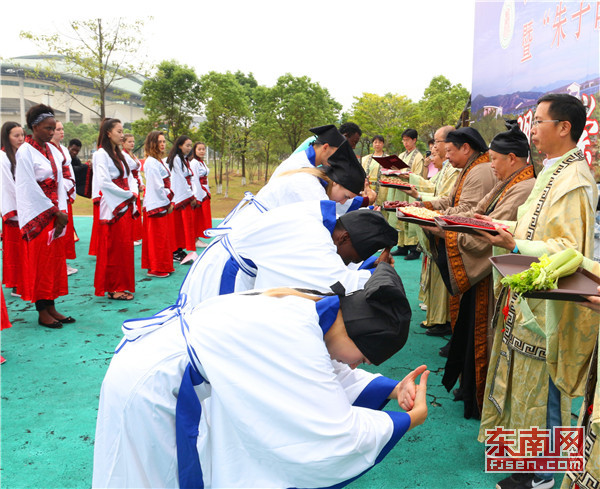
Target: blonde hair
[(315, 172)]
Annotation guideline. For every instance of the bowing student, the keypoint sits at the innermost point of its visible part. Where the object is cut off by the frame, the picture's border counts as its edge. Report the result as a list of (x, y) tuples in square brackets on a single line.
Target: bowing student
[(184, 201), (12, 137), (301, 245), (135, 166), (276, 373), (202, 212), (42, 212), (115, 269), (157, 244)]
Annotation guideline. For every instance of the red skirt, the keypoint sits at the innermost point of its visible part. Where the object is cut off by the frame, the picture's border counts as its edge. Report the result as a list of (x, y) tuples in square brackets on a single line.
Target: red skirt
[(115, 267), (70, 235), (157, 244), (4, 321), (184, 228), (138, 228), (13, 254), (45, 269), (94, 236), (203, 218)]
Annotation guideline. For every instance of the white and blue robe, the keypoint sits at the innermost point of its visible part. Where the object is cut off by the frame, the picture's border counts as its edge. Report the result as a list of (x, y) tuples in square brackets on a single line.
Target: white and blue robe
[(288, 246), (275, 410)]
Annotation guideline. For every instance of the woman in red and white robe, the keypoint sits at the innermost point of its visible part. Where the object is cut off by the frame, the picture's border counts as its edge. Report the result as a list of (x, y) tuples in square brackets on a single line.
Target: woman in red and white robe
[(157, 244), (13, 246), (203, 215), (184, 201), (136, 167), (41, 209), (115, 268), (62, 156)]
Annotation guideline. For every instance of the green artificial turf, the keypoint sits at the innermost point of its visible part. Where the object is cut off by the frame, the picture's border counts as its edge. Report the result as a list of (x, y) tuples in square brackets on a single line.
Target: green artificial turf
[(51, 383)]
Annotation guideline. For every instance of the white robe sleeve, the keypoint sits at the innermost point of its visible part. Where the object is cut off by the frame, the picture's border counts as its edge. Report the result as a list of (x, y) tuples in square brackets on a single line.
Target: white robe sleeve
[(9, 200), (363, 388), (183, 192), (114, 199), (156, 198)]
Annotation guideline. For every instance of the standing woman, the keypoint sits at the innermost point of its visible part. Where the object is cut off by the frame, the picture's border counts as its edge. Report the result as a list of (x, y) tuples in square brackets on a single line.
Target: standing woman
[(13, 246), (135, 166), (184, 201), (41, 207), (63, 157), (202, 213), (115, 269), (157, 244)]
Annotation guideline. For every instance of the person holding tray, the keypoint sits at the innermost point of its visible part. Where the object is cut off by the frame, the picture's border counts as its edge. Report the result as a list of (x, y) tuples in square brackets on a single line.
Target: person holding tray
[(373, 169), (469, 270), (552, 341)]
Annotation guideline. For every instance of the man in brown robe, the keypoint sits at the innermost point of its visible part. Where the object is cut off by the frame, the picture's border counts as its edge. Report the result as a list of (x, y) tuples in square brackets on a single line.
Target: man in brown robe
[(470, 271), (465, 149)]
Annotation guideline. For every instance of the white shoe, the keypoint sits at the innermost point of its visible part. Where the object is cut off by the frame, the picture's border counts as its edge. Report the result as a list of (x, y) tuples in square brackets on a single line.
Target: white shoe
[(201, 244), (137, 243), (14, 293), (423, 306), (71, 270), (189, 259)]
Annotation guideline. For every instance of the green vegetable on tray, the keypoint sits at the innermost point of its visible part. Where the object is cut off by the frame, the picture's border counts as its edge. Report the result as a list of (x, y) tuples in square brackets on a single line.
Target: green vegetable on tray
[(544, 275)]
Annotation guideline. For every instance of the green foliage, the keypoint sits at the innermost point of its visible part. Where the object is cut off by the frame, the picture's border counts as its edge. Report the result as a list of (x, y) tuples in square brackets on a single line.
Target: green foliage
[(86, 133), (97, 50), (441, 105), (388, 115), (171, 98), (298, 104)]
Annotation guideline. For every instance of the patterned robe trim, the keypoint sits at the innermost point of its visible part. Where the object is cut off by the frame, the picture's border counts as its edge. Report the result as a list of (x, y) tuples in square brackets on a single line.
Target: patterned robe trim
[(167, 182), (34, 227), (118, 211), (482, 299), (454, 308), (184, 203), (66, 172), (520, 175), (50, 185), (514, 343), (585, 479), (542, 200), (8, 216), (482, 158)]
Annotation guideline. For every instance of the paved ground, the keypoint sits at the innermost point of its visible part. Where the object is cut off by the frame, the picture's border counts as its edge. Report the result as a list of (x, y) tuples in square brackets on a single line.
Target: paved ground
[(51, 382)]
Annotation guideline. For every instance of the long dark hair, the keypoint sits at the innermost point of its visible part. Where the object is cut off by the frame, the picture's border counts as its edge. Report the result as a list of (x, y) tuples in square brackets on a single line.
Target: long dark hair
[(5, 142), (176, 151), (105, 143)]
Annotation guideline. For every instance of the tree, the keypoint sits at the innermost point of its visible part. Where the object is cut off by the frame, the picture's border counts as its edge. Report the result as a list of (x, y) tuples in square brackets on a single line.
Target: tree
[(267, 134), (441, 105), (300, 104), (249, 85), (97, 50), (172, 97), (225, 106), (388, 115)]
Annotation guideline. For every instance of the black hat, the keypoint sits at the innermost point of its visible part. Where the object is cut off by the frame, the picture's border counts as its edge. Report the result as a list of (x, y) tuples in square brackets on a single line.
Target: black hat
[(345, 169), (513, 141), (467, 135), (328, 134), (369, 231), (377, 317)]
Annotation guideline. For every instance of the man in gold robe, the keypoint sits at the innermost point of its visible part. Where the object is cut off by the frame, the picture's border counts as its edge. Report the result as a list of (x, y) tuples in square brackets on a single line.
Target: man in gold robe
[(435, 294), (470, 271), (407, 234), (543, 348), (373, 169)]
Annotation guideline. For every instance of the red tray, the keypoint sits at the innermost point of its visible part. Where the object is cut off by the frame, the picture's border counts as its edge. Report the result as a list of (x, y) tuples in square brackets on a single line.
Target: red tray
[(463, 228)]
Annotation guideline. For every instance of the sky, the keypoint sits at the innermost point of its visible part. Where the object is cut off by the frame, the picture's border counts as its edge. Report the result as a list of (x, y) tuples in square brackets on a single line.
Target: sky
[(350, 47)]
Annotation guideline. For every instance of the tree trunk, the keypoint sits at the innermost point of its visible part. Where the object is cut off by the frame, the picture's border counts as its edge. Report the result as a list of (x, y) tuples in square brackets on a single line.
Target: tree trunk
[(102, 87), (267, 162), (227, 177)]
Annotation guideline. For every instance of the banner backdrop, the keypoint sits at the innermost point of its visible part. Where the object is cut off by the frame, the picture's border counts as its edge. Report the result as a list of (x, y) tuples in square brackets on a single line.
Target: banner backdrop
[(525, 49)]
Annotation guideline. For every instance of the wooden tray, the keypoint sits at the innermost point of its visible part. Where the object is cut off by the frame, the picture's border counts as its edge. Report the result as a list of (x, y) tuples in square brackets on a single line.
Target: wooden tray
[(572, 288), (462, 228)]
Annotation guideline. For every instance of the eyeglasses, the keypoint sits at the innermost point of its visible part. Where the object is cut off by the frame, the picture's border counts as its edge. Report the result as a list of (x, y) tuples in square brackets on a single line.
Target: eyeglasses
[(536, 123)]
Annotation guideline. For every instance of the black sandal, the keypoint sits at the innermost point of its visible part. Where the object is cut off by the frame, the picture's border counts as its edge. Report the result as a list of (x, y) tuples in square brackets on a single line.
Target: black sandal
[(125, 296), (55, 325)]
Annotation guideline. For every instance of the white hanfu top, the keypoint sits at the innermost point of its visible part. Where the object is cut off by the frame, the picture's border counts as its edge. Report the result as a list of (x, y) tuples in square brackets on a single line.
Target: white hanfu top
[(63, 157), (288, 246), (200, 171), (276, 411), (114, 198), (9, 198), (34, 208), (158, 186), (181, 183)]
